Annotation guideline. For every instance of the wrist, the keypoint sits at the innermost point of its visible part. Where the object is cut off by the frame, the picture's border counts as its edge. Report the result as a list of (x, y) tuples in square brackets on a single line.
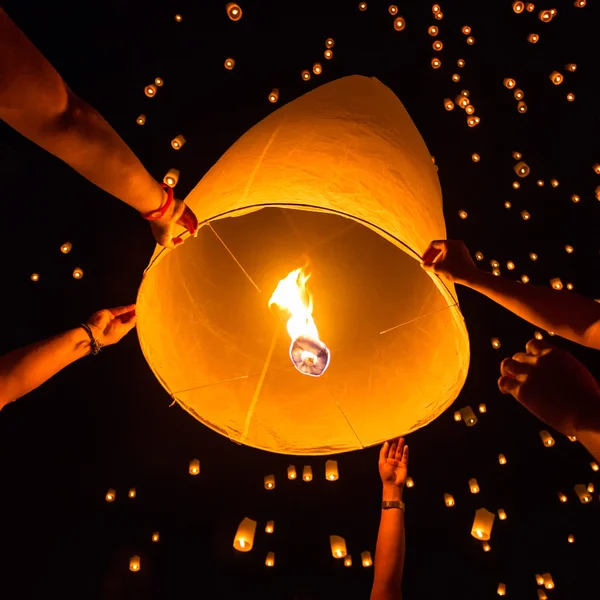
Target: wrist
[(392, 492), (472, 278)]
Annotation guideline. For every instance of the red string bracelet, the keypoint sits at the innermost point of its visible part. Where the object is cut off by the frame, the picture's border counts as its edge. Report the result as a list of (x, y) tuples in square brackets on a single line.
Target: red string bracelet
[(160, 213)]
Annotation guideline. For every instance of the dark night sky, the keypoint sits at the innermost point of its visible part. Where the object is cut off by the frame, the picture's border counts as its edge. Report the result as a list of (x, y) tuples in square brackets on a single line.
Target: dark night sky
[(106, 422)]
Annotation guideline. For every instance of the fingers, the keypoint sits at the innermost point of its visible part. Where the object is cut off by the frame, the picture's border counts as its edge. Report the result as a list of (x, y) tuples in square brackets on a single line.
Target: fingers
[(393, 447), (518, 370), (399, 449), (508, 385), (383, 452), (537, 347), (188, 220), (125, 318), (404, 458), (121, 310), (433, 251)]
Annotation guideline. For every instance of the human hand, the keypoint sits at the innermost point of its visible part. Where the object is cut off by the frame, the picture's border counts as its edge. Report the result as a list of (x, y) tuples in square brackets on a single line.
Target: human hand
[(451, 259), (112, 324), (553, 385), (178, 214), (393, 463)]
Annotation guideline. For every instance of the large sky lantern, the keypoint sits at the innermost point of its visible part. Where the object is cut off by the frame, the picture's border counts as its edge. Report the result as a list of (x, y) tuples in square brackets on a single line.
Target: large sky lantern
[(333, 196)]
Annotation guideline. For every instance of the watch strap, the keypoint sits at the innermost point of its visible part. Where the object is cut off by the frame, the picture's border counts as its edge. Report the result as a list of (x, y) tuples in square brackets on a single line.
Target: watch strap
[(393, 504)]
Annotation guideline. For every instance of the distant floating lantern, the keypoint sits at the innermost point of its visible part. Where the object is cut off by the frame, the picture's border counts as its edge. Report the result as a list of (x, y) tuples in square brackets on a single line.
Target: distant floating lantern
[(134, 563), (522, 169), (448, 104), (274, 95), (556, 283), (110, 495), (474, 487), (338, 546), (437, 45), (547, 439), (66, 247), (141, 120), (556, 78), (150, 90), (533, 256), (171, 178), (178, 18), (575, 198), (409, 482), (486, 547), (433, 30), (562, 497), (462, 214), (270, 527), (518, 94), (317, 68), (393, 9), (328, 54), (545, 16), (510, 265), (305, 74), (365, 556), (473, 121), (229, 63), (469, 109), (569, 286), (331, 470), (399, 23), (524, 278), (516, 185), (522, 107), (569, 249), (362, 6), (482, 408), (470, 40), (436, 63), (590, 488), (156, 536), (495, 341), (448, 500), (548, 581), (534, 38), (525, 215), (270, 560), (159, 82), (579, 3), (77, 273), (435, 9), (234, 12), (495, 264), (501, 589), (307, 473), (509, 83), (594, 466), (177, 142), (496, 272), (439, 16), (132, 493), (348, 561), (482, 524), (479, 255), (460, 62), (502, 459), (244, 537), (468, 416), (518, 7), (571, 539), (542, 595), (570, 96), (571, 67), (457, 415), (194, 467), (291, 472), (329, 43), (507, 204), (475, 157), (466, 30), (502, 514), (269, 482), (530, 7), (554, 183)]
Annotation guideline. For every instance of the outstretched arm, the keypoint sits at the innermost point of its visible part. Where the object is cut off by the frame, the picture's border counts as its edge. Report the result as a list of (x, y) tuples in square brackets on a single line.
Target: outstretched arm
[(36, 102), (567, 314), (389, 554), (23, 370)]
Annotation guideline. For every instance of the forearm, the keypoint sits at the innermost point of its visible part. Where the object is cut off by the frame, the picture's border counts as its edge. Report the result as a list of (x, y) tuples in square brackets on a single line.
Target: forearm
[(389, 553), (567, 314), (23, 370), (590, 439)]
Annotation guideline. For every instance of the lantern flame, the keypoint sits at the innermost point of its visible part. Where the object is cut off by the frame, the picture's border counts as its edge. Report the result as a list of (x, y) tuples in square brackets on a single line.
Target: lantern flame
[(308, 353)]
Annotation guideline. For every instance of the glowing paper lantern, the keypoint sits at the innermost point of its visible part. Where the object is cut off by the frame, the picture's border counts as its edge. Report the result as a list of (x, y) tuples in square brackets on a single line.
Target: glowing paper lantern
[(518, 7), (539, 580), (367, 561), (571, 539), (134, 563), (348, 561), (542, 595), (269, 482), (171, 178), (409, 482), (584, 495), (331, 470), (156, 536), (547, 439), (448, 104), (556, 284), (338, 546), (328, 54), (362, 6), (317, 68), (501, 589), (482, 524), (150, 90), (486, 547), (234, 12), (436, 63), (468, 416), (329, 43), (448, 500), (522, 169), (502, 459), (371, 210), (270, 527), (291, 472), (132, 493), (229, 63), (66, 247), (141, 120), (270, 560), (307, 473), (548, 581), (177, 142), (159, 81), (482, 408), (399, 24), (522, 107), (274, 95), (194, 468), (244, 537), (534, 38), (305, 74), (594, 466), (178, 18), (77, 273), (502, 514), (495, 341), (110, 495), (474, 487)]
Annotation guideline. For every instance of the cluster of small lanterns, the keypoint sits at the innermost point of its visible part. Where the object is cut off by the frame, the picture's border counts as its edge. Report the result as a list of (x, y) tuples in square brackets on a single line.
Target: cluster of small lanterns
[(65, 249)]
